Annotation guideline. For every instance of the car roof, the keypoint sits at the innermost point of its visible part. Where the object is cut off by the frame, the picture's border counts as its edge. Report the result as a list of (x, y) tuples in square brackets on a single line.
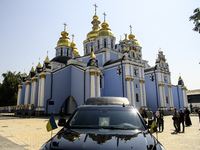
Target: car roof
[(107, 101)]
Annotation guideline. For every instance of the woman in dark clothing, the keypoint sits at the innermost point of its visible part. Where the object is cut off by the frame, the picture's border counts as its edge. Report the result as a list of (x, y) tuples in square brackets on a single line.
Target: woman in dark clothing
[(160, 121), (187, 117)]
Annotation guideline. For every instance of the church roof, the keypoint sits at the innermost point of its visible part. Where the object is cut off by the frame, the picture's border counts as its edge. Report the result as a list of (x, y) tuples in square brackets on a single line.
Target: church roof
[(112, 61), (61, 59)]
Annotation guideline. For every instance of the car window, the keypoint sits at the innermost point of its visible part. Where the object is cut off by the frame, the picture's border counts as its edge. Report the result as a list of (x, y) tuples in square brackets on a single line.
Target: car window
[(107, 118)]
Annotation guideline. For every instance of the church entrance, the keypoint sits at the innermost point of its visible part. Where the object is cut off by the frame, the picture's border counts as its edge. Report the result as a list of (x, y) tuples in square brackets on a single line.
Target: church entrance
[(69, 105)]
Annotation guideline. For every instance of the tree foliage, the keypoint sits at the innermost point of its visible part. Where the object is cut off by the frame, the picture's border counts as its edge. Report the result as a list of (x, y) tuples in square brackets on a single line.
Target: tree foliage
[(9, 88), (196, 19)]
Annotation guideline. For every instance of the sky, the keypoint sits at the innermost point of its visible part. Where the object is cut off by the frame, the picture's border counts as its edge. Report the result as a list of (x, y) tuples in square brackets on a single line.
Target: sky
[(30, 30)]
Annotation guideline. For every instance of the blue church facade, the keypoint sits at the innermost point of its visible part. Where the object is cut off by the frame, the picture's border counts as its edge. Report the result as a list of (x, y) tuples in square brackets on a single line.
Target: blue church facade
[(107, 68)]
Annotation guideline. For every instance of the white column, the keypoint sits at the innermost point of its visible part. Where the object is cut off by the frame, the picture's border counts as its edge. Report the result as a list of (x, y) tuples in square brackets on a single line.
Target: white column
[(133, 93), (39, 91), (164, 97), (27, 93), (128, 88), (19, 97), (42, 89), (184, 97), (161, 95), (145, 104), (98, 84), (141, 95), (92, 84), (34, 91)]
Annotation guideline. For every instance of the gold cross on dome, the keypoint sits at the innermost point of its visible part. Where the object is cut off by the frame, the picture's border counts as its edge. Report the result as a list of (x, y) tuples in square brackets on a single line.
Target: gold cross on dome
[(65, 26), (95, 7), (104, 16), (130, 28)]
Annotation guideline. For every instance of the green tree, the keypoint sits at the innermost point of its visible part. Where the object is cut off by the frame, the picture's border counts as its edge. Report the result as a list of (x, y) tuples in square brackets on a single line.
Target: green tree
[(196, 19), (9, 88)]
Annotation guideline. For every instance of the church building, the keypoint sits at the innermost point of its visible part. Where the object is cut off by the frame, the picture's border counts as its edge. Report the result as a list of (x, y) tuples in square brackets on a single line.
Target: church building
[(107, 68)]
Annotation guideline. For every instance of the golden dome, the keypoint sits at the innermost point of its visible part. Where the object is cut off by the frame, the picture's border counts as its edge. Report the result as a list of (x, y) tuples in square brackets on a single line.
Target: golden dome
[(24, 75), (137, 43), (94, 32), (105, 31), (39, 65), (64, 40), (131, 36)]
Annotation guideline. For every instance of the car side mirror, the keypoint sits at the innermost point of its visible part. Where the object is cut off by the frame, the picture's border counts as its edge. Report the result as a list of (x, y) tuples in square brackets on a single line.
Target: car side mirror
[(61, 122)]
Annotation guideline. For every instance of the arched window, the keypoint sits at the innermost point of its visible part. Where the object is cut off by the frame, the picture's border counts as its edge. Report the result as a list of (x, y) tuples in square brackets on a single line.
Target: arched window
[(111, 43), (92, 49), (61, 51), (104, 43), (67, 51), (98, 44), (137, 97), (86, 50)]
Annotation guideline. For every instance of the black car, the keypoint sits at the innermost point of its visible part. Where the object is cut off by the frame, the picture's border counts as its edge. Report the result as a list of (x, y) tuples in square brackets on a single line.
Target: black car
[(104, 123)]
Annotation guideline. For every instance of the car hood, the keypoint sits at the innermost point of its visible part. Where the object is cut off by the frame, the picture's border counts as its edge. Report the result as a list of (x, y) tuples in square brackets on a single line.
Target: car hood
[(102, 139)]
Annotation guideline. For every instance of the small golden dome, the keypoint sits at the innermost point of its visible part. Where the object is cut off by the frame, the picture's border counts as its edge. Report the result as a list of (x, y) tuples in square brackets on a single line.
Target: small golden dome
[(105, 31), (92, 55), (136, 42), (47, 59), (32, 69), (64, 40), (39, 65), (24, 75), (131, 36)]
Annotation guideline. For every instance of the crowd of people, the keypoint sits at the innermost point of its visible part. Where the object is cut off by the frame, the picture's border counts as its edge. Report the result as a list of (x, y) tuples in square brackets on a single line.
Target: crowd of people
[(179, 118)]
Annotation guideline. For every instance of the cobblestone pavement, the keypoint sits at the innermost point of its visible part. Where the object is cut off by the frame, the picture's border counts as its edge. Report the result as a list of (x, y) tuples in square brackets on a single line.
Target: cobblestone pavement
[(31, 134)]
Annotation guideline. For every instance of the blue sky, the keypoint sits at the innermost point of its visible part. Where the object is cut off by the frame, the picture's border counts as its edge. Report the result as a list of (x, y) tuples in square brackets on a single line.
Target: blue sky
[(28, 29)]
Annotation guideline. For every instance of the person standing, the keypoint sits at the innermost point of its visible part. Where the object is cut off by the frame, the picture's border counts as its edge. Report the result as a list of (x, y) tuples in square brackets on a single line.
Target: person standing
[(187, 117), (176, 120), (160, 121), (181, 120), (149, 116)]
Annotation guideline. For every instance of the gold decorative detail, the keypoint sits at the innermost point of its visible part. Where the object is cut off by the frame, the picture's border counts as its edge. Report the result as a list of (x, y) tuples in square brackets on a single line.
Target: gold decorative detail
[(98, 73), (132, 79), (28, 83), (42, 76), (127, 78), (160, 84), (92, 73), (184, 88), (143, 81), (92, 55), (19, 86), (34, 80)]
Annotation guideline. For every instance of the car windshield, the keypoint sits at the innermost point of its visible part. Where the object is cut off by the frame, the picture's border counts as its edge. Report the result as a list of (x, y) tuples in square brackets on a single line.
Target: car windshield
[(106, 118)]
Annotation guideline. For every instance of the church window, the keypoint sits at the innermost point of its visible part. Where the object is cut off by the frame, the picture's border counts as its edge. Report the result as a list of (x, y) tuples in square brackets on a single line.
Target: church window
[(104, 43), (135, 71), (133, 54), (86, 50), (136, 85), (115, 46), (98, 44), (92, 49), (111, 43), (61, 52), (67, 51), (101, 81), (137, 97), (167, 101)]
